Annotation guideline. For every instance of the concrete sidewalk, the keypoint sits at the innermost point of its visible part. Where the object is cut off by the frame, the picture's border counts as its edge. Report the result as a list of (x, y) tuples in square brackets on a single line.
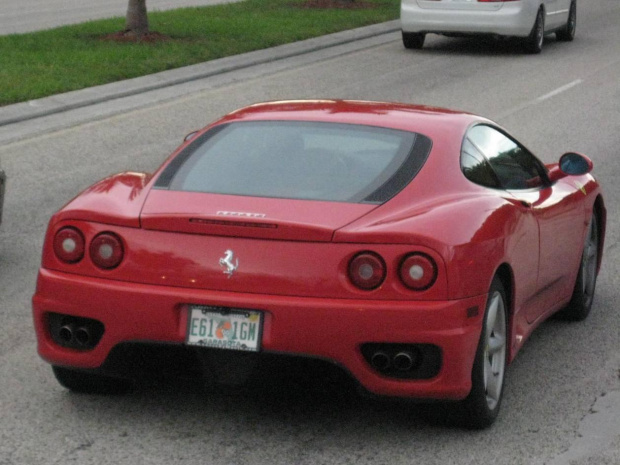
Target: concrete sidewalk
[(25, 111)]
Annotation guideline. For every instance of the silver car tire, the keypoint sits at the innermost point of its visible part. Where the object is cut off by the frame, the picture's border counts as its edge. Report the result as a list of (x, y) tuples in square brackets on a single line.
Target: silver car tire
[(567, 34), (413, 40), (534, 42)]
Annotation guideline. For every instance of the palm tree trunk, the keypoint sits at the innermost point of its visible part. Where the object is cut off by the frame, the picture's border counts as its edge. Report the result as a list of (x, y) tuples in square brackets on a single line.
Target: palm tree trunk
[(136, 21)]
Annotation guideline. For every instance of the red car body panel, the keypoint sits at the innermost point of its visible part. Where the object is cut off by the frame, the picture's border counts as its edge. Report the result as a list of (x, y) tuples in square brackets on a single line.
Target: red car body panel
[(295, 255)]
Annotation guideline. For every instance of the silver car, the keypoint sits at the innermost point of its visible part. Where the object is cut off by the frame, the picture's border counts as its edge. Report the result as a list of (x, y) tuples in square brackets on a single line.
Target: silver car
[(529, 20)]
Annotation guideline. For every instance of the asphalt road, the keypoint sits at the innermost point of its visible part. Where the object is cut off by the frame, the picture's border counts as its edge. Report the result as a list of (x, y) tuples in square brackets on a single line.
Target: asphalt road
[(562, 399), (18, 16)]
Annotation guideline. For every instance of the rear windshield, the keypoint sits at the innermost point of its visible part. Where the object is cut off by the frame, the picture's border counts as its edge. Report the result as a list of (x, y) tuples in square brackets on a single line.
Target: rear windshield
[(299, 160)]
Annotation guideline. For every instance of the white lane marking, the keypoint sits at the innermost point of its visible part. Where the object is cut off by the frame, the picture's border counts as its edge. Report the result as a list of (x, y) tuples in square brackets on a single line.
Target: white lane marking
[(559, 90), (538, 100)]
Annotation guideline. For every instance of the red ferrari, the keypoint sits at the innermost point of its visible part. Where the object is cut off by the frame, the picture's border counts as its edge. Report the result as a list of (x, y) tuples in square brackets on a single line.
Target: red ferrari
[(417, 248)]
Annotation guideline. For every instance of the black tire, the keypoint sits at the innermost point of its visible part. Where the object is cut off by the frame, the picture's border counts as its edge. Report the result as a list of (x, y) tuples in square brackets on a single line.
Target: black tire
[(90, 383), (567, 34), (481, 407), (534, 42), (413, 40), (583, 293)]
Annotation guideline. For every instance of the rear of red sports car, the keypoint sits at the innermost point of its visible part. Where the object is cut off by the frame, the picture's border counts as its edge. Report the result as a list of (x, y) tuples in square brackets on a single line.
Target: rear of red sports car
[(276, 230)]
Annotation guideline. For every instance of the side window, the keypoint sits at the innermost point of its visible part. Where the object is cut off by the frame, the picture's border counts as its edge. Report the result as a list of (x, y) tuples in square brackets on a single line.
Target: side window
[(475, 166), (514, 166)]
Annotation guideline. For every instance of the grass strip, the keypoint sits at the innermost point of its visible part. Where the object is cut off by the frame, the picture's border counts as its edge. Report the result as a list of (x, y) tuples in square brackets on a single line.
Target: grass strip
[(44, 63)]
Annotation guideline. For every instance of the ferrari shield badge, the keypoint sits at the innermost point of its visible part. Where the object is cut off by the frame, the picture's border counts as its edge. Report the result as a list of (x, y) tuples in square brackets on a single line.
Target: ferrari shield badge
[(229, 263)]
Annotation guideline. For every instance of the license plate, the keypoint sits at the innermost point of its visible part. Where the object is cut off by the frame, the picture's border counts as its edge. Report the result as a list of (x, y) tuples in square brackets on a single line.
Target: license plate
[(224, 328)]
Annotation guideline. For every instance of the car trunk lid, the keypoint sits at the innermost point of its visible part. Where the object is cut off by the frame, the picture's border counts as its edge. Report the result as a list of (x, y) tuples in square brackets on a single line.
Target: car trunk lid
[(250, 217)]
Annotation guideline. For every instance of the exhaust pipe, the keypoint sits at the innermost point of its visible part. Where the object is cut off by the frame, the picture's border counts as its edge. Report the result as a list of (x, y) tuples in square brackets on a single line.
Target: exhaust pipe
[(66, 333), (82, 335), (380, 360), (403, 361), (75, 332)]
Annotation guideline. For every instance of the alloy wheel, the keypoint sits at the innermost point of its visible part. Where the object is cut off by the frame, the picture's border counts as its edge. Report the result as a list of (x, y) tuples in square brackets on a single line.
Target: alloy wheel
[(495, 350), (589, 261)]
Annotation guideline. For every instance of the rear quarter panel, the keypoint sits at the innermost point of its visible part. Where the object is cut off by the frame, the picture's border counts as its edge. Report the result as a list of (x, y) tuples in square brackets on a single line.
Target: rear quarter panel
[(473, 234)]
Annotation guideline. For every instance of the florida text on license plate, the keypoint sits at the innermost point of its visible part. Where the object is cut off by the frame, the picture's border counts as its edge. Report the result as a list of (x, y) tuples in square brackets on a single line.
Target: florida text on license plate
[(224, 328)]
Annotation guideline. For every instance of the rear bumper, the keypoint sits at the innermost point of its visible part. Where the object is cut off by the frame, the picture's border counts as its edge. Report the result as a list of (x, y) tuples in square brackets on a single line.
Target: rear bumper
[(512, 19), (331, 329)]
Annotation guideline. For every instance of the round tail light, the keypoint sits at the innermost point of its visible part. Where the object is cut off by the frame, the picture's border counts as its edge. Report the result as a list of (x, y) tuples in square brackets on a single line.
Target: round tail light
[(367, 270), (69, 245), (418, 271), (106, 250)]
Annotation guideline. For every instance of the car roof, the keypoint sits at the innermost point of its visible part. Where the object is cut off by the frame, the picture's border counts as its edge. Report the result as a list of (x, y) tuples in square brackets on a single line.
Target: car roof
[(431, 121)]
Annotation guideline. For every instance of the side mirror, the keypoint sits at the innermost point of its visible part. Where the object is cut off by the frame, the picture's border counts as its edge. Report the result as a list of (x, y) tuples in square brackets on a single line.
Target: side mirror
[(571, 164), (575, 164), (190, 136)]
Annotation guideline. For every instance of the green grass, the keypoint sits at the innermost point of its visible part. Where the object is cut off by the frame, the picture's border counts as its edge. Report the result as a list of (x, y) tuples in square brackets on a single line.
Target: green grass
[(68, 58)]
